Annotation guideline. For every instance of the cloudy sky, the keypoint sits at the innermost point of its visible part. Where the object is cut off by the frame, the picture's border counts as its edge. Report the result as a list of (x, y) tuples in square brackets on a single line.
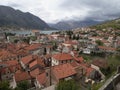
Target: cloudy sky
[(53, 11)]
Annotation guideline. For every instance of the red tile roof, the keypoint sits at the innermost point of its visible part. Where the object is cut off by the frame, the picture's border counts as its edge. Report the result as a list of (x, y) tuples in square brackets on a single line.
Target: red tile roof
[(63, 56), (63, 71), (36, 72), (22, 45), (33, 47), (21, 76), (105, 41), (37, 61), (35, 31), (71, 42), (3, 71), (79, 59), (28, 59), (10, 63), (12, 69), (89, 70), (21, 52), (42, 78), (75, 64), (4, 54), (75, 53)]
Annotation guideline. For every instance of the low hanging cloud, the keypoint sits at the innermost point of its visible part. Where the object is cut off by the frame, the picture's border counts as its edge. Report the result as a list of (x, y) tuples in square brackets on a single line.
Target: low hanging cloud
[(56, 10)]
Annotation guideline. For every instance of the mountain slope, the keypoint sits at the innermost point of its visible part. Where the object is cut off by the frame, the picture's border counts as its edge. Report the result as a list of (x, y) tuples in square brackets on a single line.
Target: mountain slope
[(67, 25), (16, 18), (113, 24)]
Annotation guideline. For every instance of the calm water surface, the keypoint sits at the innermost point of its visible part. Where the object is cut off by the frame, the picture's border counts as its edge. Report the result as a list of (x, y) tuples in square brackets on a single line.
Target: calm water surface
[(29, 32)]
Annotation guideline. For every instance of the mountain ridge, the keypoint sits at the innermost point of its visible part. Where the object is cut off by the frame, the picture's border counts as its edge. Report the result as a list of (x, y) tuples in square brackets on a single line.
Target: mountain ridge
[(16, 18), (68, 25)]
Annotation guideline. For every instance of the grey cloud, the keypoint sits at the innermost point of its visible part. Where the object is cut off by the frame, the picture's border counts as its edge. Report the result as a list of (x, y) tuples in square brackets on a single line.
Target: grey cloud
[(14, 5), (99, 9), (57, 10)]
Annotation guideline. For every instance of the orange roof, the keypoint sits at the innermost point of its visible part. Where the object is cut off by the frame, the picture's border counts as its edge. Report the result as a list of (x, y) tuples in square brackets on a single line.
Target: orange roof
[(49, 46), (12, 69), (5, 70), (21, 52), (10, 63), (4, 54), (42, 78), (11, 46), (85, 66), (79, 59), (75, 64), (38, 61), (62, 56), (21, 76), (28, 59), (63, 71), (96, 37), (105, 41), (22, 45), (89, 70), (35, 72), (71, 42), (33, 46), (35, 30)]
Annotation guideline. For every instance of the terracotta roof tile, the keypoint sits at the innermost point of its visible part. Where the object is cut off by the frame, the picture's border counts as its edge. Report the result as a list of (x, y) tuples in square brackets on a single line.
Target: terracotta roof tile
[(35, 31), (79, 59), (10, 63), (35, 72), (37, 61), (63, 56), (4, 54), (33, 46), (28, 59), (42, 78), (89, 70), (71, 42), (63, 71), (75, 64), (21, 76)]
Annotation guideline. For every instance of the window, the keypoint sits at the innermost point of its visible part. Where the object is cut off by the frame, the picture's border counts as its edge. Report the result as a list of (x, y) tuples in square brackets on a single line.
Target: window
[(47, 74)]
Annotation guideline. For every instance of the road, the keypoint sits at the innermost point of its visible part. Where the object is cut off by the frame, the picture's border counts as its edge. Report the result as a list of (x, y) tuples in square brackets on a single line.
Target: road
[(109, 81)]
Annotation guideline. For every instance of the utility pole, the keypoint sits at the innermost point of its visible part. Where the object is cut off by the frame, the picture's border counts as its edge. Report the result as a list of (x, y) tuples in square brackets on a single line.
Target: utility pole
[(50, 70)]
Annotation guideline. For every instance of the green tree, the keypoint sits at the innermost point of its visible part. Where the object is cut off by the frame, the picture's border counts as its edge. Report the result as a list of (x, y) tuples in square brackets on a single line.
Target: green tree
[(99, 42), (10, 34), (4, 85), (33, 38), (67, 85), (74, 37), (24, 85), (118, 49), (70, 37), (26, 40), (16, 41), (77, 37)]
